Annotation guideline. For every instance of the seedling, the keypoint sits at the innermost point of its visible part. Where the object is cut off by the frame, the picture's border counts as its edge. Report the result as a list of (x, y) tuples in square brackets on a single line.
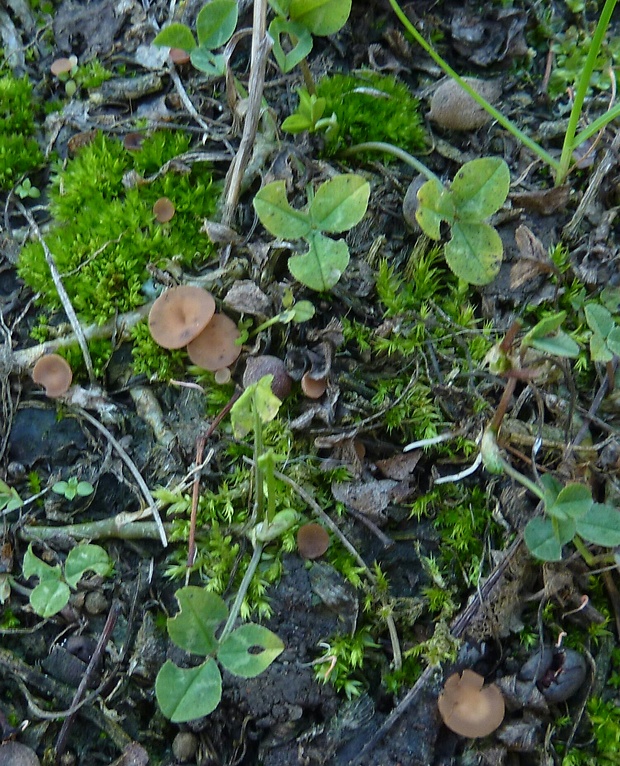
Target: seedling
[(26, 189), (479, 189), (65, 69), (309, 115), (9, 498), (301, 311), (605, 338), (338, 205), (298, 20), (215, 25), (185, 694), (572, 139), (54, 589), (73, 488)]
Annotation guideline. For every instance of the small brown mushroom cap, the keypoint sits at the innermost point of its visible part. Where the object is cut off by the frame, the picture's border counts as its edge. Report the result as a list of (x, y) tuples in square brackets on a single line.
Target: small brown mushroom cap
[(179, 315), (313, 388), (312, 541), (133, 141), (258, 366), (178, 56), (216, 346), (469, 709), (54, 374), (164, 210), (61, 66)]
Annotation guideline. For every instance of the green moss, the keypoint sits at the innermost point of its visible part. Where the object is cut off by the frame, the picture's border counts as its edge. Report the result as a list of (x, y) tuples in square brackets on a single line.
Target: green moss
[(371, 107), (19, 151), (104, 235)]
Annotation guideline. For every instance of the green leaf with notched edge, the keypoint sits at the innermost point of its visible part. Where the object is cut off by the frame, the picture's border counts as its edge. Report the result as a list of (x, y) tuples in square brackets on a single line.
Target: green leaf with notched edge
[(193, 627), (541, 540), (340, 203), (216, 23), (277, 216), (475, 252), (210, 63), (33, 565), (288, 60), (257, 398), (613, 341), (599, 319), (322, 265), (600, 525), (573, 501), (545, 327), (49, 597), (559, 344), (86, 557), (185, 694), (321, 17), (480, 188), (176, 36), (249, 650)]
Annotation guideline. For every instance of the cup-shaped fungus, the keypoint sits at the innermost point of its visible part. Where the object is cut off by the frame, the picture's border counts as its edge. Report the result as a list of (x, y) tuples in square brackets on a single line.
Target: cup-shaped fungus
[(164, 210), (178, 56), (216, 346), (62, 66), (133, 141), (468, 708), (313, 388), (54, 374), (258, 366), (312, 541), (179, 315)]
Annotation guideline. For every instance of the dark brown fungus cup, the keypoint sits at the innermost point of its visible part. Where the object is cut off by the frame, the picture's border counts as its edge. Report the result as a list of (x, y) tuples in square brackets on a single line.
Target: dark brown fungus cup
[(312, 541), (468, 707), (164, 210), (313, 388), (216, 346), (558, 673), (257, 367), (54, 374), (179, 315), (133, 141)]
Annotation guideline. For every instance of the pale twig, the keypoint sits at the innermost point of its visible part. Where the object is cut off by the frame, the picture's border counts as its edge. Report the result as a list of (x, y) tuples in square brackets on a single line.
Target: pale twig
[(187, 102), (62, 294)]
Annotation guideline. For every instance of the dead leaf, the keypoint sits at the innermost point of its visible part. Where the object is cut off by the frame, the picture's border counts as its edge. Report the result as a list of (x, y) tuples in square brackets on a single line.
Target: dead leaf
[(368, 497), (533, 261), (543, 201), (400, 466)]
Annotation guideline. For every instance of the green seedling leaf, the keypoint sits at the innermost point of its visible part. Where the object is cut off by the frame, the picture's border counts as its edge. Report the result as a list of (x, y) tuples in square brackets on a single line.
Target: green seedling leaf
[(33, 566), (207, 62), (480, 188), (193, 627), (266, 531), (551, 486), (541, 540), (322, 265), (49, 597), (475, 252), (598, 349), (281, 7), (277, 216), (303, 311), (249, 650), (176, 35), (321, 17), (9, 498), (185, 694), (559, 344), (257, 398), (434, 206), (600, 525), (573, 501), (340, 203), (599, 319), (545, 327), (288, 60), (216, 23), (613, 341), (86, 558)]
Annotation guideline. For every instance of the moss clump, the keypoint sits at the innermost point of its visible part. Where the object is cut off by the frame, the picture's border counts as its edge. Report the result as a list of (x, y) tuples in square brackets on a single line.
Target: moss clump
[(19, 151), (104, 235), (371, 107)]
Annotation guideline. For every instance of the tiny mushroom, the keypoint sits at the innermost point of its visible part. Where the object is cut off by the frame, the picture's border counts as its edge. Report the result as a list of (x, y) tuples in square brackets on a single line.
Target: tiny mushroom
[(164, 210), (312, 541), (179, 315), (133, 141), (468, 708), (258, 366), (179, 56), (54, 374), (313, 388), (62, 66), (216, 346)]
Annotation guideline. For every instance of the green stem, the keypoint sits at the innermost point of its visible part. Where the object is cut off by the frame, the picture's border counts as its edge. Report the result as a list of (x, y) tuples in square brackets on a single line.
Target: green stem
[(259, 494), (243, 589), (480, 100), (582, 88), (582, 549), (523, 480), (395, 151)]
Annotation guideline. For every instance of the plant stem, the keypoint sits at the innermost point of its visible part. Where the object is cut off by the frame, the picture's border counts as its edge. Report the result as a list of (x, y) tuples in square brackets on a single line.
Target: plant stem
[(243, 589), (582, 549), (480, 100), (523, 480), (395, 151), (582, 88), (259, 494)]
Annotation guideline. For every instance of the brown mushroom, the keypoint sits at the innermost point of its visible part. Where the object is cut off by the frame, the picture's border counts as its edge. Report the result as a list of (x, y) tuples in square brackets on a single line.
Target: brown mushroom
[(258, 366), (164, 210), (178, 56), (312, 541), (468, 708), (179, 315), (223, 376), (62, 66), (313, 388), (216, 346), (133, 141), (54, 374)]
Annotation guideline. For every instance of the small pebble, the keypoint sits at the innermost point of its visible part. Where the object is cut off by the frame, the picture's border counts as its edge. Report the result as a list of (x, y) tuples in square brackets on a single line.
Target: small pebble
[(184, 746), (453, 108)]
